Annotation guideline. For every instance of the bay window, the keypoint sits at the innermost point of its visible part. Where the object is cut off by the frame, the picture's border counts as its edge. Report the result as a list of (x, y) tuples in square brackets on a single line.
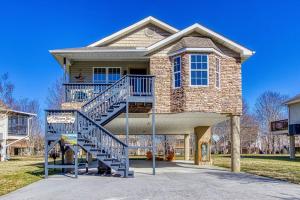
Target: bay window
[(199, 70), (177, 72)]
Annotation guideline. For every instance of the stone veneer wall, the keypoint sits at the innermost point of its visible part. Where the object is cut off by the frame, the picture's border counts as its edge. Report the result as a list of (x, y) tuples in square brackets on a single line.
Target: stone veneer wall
[(160, 67), (226, 99)]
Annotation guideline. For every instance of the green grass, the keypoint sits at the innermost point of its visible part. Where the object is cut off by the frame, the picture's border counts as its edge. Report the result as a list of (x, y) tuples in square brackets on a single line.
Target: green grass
[(274, 166), (19, 172)]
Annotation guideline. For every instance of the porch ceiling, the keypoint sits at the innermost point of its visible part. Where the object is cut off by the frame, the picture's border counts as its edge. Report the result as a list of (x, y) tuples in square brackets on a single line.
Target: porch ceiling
[(100, 54), (169, 124)]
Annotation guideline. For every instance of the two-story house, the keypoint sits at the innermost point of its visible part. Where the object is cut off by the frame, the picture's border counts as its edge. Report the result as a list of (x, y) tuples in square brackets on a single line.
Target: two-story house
[(149, 78), (14, 132)]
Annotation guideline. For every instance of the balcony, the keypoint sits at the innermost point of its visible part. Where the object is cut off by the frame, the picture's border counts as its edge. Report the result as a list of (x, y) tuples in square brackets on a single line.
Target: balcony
[(138, 85)]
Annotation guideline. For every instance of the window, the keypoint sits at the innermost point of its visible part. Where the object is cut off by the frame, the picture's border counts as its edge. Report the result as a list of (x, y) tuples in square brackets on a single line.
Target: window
[(199, 69), (100, 75), (17, 125), (218, 77), (106, 74), (177, 72), (114, 74)]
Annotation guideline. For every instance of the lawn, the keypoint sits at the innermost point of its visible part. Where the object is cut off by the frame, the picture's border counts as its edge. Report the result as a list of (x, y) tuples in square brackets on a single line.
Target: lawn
[(19, 172), (274, 166)]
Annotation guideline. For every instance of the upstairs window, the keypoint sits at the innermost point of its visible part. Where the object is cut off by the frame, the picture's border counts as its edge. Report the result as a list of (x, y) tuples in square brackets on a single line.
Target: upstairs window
[(106, 74), (218, 75), (199, 70), (177, 72)]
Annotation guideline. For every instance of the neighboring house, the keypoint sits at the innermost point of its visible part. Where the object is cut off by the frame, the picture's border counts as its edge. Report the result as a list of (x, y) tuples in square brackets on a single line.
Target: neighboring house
[(293, 122), (14, 132), (191, 78)]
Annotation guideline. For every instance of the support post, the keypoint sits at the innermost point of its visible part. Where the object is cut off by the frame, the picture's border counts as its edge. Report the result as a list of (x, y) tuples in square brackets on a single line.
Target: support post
[(127, 138), (46, 147), (235, 143), (153, 127), (292, 147), (127, 121), (76, 160), (3, 150), (65, 70), (165, 147), (46, 158), (87, 163), (187, 147)]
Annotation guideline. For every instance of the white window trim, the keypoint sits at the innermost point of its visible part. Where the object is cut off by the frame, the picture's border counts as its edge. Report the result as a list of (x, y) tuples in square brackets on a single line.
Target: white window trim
[(173, 73), (218, 61), (106, 73), (190, 70)]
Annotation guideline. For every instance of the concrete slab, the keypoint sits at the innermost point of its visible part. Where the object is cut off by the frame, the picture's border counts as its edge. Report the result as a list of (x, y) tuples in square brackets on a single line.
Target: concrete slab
[(180, 180)]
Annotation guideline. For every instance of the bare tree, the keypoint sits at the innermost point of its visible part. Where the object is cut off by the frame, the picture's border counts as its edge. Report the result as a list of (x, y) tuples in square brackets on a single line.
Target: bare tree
[(55, 95), (6, 90), (248, 135), (269, 107), (249, 129)]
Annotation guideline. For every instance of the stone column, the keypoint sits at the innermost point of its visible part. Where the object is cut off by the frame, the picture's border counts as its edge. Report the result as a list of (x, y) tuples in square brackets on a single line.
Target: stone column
[(292, 147), (187, 147), (235, 143), (202, 137)]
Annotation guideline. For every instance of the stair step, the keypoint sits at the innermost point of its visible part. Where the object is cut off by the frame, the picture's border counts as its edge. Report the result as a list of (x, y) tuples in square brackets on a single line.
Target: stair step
[(102, 154), (110, 159), (115, 164), (88, 145), (95, 150)]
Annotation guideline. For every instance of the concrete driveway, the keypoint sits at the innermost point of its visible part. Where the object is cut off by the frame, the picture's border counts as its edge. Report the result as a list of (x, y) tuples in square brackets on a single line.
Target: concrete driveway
[(180, 180)]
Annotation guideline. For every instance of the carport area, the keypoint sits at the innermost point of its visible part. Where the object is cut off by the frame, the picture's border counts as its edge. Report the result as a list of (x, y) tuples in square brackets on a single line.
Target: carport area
[(175, 180)]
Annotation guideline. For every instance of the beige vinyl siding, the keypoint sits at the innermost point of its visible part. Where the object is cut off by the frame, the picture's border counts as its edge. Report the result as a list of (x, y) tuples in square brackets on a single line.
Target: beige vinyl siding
[(86, 68), (139, 38), (294, 113)]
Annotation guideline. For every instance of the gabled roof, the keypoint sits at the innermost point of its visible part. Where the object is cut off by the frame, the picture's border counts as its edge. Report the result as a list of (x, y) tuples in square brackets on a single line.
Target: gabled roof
[(194, 42), (244, 52), (148, 20), (295, 99)]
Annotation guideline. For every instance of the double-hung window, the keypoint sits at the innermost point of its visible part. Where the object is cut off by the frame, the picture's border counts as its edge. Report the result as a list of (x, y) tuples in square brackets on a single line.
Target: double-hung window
[(106, 74), (218, 75), (199, 69), (177, 72)]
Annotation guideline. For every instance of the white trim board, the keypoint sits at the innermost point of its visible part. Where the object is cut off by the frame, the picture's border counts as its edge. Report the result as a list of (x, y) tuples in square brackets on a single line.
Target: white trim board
[(244, 52), (200, 50)]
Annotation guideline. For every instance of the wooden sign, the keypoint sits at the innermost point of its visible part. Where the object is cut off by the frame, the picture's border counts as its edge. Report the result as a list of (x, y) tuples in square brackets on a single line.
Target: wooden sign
[(69, 139), (280, 126), (61, 119)]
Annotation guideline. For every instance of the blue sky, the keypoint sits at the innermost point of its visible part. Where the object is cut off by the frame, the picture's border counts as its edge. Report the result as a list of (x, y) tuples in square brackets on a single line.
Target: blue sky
[(28, 29)]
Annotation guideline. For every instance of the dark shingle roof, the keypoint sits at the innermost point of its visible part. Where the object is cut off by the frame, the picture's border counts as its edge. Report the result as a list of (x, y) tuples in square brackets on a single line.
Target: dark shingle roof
[(194, 42)]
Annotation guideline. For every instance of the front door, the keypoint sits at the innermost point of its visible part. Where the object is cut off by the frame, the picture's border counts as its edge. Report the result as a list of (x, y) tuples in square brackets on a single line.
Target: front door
[(138, 84), (138, 71)]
